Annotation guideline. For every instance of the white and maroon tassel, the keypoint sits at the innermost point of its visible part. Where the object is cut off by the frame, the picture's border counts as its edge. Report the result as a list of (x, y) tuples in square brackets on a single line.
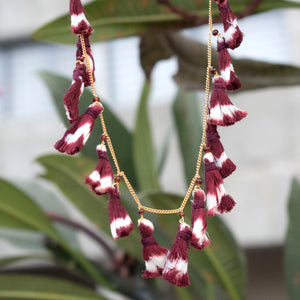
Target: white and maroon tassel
[(79, 55), (120, 221), (176, 266), (71, 98), (154, 255), (218, 201), (222, 111), (101, 179), (77, 135), (79, 22), (226, 67), (199, 238), (224, 164), (233, 35)]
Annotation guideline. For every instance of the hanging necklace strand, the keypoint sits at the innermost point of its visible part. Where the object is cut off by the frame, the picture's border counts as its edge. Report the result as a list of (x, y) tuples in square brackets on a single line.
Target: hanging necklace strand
[(202, 145)]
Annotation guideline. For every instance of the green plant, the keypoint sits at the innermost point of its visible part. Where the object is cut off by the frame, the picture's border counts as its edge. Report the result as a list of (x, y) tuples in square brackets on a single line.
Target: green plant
[(218, 272)]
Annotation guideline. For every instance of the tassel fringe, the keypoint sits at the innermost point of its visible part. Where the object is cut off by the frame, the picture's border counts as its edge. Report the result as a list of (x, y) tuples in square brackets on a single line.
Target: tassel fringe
[(79, 22), (77, 135), (120, 221), (154, 255), (176, 266), (222, 111), (199, 239)]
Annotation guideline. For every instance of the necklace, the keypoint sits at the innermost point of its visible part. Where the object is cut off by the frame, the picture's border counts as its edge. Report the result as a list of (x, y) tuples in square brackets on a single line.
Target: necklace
[(218, 111)]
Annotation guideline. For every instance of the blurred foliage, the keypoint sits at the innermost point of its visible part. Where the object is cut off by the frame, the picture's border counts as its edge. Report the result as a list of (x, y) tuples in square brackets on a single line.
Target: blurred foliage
[(292, 243)]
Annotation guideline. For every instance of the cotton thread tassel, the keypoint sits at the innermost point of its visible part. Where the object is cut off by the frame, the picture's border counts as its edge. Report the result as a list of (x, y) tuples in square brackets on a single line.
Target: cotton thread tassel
[(222, 111), (79, 22), (233, 35), (101, 179), (199, 239), (154, 255), (226, 67), (79, 54), (176, 266), (224, 164), (77, 135), (120, 221), (218, 201), (72, 97)]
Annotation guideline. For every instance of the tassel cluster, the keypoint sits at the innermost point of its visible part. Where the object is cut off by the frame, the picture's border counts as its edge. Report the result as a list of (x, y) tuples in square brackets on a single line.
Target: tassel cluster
[(72, 97), (222, 111), (176, 266), (154, 255), (224, 164), (120, 221), (232, 33), (218, 200), (79, 22), (199, 238), (77, 135), (226, 68), (101, 179)]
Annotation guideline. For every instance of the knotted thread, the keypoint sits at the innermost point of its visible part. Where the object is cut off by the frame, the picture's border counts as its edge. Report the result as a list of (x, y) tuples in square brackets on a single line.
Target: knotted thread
[(210, 166), (149, 241)]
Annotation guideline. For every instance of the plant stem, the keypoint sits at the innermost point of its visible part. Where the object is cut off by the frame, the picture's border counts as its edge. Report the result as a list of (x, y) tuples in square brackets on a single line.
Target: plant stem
[(71, 223)]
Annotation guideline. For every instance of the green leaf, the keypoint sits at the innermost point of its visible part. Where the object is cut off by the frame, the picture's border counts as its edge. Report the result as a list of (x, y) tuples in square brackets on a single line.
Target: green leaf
[(162, 152), (28, 240), (68, 174), (118, 19), (189, 130), (292, 243), (26, 286), (58, 86), (49, 201), (191, 56), (9, 260), (222, 263), (144, 161), (18, 209)]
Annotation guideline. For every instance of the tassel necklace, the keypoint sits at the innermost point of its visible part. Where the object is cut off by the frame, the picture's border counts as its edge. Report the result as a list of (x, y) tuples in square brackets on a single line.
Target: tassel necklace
[(171, 264)]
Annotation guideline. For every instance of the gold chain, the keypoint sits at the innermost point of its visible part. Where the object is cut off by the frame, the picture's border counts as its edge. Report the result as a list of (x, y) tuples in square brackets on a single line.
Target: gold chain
[(202, 145)]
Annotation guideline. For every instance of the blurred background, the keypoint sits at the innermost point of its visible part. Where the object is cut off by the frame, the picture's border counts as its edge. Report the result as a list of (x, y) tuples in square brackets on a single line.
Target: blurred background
[(265, 146)]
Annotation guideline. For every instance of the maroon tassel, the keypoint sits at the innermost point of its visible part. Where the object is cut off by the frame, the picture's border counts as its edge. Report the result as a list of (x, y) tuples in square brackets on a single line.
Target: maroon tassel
[(79, 22), (224, 164), (120, 222), (79, 54), (226, 67), (71, 98), (218, 201), (222, 111), (101, 179), (176, 266), (77, 135), (233, 35), (199, 239), (154, 255)]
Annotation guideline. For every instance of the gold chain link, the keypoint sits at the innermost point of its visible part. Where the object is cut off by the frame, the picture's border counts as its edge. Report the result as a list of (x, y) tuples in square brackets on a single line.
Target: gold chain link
[(202, 145)]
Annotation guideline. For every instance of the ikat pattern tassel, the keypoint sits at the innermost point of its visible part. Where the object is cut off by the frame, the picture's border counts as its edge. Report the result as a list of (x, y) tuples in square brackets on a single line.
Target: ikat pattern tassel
[(120, 221), (101, 179), (218, 201), (233, 35), (154, 255), (224, 164), (79, 22), (225, 65), (222, 111), (77, 135), (176, 266), (71, 98), (199, 238)]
